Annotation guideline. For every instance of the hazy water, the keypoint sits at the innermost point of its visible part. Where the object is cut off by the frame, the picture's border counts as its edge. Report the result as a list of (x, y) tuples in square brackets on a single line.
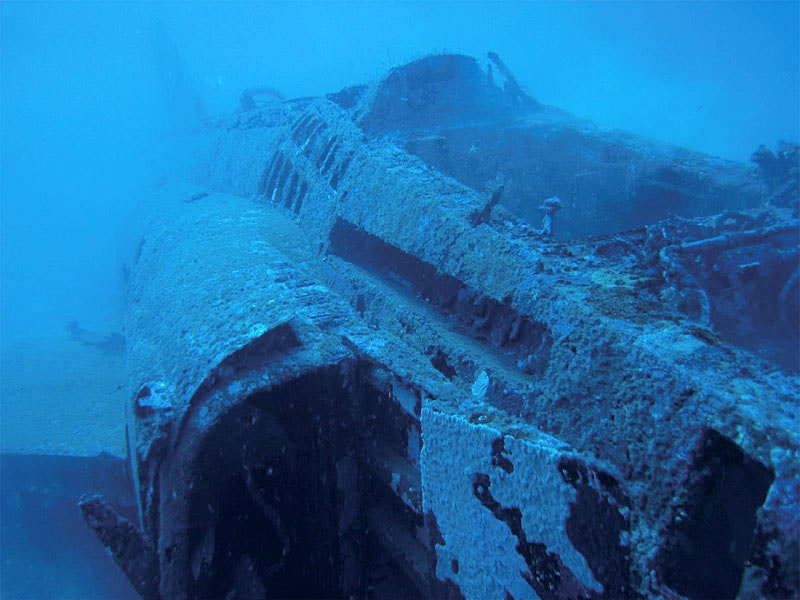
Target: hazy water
[(80, 101), (81, 108)]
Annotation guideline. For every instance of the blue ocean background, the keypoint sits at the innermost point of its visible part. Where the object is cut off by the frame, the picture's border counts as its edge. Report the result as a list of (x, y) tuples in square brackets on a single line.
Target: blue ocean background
[(81, 114), (81, 104)]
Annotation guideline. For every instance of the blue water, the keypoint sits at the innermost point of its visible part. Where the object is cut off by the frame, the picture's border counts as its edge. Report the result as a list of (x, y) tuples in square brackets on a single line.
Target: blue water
[(81, 109), (81, 104)]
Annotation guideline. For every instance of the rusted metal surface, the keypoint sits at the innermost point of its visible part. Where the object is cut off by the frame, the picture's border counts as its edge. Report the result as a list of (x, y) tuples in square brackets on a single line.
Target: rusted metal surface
[(431, 338)]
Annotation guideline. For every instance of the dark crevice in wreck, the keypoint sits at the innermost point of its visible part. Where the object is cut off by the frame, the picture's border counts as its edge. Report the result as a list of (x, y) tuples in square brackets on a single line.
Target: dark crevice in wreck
[(478, 316), (440, 362), (447, 589), (340, 171), (710, 537), (291, 494), (277, 341), (597, 527), (326, 150), (302, 123)]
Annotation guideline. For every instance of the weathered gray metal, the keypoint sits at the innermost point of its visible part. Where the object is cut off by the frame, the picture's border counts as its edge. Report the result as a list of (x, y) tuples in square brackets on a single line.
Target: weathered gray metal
[(355, 367)]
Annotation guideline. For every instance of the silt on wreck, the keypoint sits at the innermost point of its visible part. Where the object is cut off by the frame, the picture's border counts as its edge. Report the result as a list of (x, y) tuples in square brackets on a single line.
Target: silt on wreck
[(430, 338)]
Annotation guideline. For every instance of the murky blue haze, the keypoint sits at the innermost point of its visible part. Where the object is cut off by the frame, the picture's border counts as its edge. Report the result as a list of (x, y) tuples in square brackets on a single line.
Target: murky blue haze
[(81, 112), (81, 102)]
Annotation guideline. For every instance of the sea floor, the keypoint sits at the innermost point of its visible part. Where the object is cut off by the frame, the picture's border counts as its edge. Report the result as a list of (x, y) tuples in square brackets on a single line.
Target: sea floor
[(61, 436), (61, 397)]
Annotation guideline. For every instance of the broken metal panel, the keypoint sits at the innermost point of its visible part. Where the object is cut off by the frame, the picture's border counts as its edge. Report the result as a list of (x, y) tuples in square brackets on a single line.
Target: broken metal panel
[(463, 462), (375, 363), (125, 542)]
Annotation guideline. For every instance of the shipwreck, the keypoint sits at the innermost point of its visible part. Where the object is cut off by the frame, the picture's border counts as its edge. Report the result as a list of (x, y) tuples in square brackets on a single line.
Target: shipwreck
[(430, 338)]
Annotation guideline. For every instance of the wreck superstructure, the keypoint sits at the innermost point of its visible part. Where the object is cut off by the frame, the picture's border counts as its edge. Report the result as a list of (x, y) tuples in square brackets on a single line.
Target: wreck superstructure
[(361, 364)]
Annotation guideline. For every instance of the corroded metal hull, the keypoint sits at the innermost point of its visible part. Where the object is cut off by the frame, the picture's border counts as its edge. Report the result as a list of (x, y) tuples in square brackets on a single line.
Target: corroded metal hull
[(358, 366)]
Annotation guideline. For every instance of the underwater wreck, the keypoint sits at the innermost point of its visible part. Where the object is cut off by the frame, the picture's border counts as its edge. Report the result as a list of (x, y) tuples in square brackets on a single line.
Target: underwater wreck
[(430, 338)]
